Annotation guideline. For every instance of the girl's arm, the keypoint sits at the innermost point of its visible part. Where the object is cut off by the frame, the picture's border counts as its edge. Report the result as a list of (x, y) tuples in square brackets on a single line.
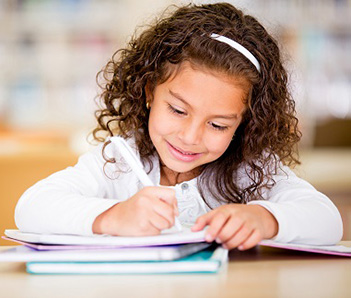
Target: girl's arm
[(67, 201), (92, 197)]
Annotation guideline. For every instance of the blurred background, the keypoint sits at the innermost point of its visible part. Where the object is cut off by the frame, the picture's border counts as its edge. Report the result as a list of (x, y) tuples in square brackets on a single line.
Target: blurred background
[(51, 51)]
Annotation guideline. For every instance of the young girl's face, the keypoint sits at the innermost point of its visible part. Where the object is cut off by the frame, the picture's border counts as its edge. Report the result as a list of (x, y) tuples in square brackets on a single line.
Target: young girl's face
[(193, 117)]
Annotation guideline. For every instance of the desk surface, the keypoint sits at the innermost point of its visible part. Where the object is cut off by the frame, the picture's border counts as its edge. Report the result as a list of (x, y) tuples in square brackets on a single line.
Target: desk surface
[(260, 272)]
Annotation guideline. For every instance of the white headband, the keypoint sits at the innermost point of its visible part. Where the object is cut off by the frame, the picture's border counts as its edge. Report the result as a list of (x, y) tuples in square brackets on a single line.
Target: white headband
[(239, 48)]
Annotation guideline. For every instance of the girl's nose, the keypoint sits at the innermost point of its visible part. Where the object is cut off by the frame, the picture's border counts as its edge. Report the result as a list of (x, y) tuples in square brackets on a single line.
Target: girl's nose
[(191, 133)]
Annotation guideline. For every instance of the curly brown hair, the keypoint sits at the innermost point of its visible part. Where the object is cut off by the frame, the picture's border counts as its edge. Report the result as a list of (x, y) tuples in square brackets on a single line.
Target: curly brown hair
[(268, 133)]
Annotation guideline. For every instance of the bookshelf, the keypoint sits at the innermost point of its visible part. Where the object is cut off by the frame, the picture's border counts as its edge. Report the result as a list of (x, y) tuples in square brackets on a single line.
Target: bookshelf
[(50, 52), (316, 37)]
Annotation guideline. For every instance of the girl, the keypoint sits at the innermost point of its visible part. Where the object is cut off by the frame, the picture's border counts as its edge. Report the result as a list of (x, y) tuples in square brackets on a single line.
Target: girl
[(202, 97)]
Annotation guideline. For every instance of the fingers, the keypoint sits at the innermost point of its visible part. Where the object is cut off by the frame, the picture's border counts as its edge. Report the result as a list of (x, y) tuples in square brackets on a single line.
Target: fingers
[(162, 207), (152, 223), (165, 194), (202, 221), (251, 241), (166, 212), (233, 226), (144, 228), (160, 223), (148, 212), (239, 237), (244, 239), (216, 225), (229, 230)]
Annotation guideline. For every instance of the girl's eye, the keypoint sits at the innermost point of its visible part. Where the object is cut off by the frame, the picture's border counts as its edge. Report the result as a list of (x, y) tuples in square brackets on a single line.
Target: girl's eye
[(181, 113), (175, 111), (218, 127)]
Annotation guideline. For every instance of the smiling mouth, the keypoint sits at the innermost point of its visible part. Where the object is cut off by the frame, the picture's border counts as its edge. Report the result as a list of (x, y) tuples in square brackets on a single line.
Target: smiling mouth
[(182, 151), (181, 155)]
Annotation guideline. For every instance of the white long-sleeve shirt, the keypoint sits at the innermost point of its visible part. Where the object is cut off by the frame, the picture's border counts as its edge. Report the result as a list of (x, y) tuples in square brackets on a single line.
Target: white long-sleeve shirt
[(68, 201)]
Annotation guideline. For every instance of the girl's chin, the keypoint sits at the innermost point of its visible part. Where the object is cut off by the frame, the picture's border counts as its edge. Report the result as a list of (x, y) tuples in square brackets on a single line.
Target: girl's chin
[(178, 168)]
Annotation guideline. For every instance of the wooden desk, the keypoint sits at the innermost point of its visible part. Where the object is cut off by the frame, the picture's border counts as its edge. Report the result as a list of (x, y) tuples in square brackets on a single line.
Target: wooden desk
[(260, 272)]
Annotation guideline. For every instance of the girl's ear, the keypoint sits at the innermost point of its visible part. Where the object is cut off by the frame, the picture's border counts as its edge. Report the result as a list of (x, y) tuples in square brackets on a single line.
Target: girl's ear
[(148, 94)]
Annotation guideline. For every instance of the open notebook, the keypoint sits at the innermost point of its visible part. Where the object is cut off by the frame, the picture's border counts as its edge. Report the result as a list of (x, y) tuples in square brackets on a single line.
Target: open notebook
[(165, 238), (337, 250)]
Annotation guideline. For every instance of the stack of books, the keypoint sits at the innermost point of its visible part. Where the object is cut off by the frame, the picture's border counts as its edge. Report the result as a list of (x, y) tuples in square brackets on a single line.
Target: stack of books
[(181, 252)]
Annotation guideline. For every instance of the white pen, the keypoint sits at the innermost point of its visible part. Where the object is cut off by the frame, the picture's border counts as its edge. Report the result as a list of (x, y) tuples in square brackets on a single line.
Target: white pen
[(136, 166)]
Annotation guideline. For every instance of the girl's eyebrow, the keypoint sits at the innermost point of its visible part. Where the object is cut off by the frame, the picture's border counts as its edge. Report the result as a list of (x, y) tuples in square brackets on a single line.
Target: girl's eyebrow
[(179, 97), (176, 95)]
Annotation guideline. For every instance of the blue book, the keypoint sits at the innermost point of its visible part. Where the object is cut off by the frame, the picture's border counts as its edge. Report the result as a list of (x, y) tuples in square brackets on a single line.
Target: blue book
[(210, 260)]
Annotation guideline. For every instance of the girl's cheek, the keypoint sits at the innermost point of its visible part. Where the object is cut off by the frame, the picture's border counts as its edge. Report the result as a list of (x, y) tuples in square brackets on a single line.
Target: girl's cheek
[(164, 125), (218, 145)]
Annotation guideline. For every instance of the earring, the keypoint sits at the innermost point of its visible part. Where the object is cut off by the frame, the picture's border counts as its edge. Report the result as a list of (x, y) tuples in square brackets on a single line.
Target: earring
[(148, 105), (233, 137)]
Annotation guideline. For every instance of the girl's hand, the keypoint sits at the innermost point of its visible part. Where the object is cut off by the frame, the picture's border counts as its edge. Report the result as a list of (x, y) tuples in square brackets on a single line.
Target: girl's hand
[(237, 225), (148, 212)]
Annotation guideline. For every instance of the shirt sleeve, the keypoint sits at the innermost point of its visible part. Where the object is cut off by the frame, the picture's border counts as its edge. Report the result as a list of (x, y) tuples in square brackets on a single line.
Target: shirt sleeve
[(304, 215), (68, 201)]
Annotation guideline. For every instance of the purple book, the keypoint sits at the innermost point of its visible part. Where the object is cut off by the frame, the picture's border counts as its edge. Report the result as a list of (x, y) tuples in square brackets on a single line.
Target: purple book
[(43, 247)]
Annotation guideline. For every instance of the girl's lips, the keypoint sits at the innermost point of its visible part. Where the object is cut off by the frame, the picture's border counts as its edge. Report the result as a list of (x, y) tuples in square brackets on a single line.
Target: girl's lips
[(181, 155)]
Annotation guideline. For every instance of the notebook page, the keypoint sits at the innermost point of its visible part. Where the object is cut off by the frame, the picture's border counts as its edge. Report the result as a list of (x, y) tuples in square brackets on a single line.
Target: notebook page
[(166, 238), (328, 249)]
